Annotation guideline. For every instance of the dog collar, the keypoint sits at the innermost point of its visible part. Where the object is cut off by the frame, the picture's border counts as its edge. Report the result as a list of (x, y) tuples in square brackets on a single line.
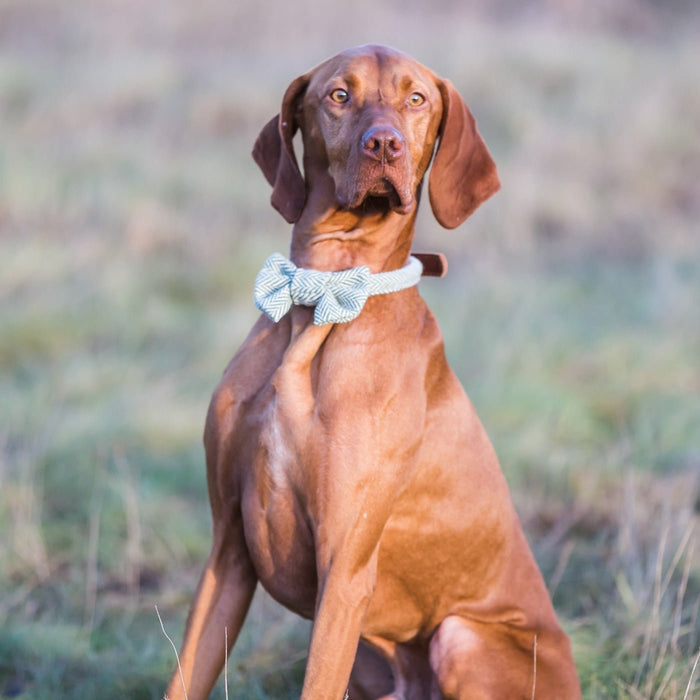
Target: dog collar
[(339, 297)]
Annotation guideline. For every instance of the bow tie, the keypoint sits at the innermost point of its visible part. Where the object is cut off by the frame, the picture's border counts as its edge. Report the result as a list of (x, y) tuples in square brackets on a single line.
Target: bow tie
[(338, 296)]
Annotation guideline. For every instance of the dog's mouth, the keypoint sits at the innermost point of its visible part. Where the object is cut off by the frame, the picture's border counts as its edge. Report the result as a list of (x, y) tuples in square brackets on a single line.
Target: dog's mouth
[(382, 195)]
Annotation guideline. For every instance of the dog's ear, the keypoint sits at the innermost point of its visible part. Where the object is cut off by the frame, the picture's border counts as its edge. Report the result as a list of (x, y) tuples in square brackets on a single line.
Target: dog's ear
[(274, 153), (463, 173)]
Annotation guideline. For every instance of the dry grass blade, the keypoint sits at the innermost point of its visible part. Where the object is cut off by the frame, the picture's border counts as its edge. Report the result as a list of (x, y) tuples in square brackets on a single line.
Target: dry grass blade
[(687, 535), (692, 674), (92, 563), (665, 680), (563, 560), (130, 501), (177, 656), (680, 596), (653, 624)]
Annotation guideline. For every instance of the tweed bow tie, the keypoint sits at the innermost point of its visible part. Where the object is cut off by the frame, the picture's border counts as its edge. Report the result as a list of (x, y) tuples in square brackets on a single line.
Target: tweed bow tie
[(338, 296)]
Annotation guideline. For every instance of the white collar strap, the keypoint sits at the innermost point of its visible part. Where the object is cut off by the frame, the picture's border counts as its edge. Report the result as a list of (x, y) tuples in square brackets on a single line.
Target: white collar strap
[(338, 296)]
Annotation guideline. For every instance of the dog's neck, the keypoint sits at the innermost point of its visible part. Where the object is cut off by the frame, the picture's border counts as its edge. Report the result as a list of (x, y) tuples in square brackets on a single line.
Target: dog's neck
[(328, 237)]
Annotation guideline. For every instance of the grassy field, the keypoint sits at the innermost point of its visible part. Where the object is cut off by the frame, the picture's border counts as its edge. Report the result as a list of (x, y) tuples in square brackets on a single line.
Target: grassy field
[(133, 221)]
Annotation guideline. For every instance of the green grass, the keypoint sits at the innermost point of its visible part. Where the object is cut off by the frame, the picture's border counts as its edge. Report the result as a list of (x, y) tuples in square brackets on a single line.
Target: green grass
[(133, 221)]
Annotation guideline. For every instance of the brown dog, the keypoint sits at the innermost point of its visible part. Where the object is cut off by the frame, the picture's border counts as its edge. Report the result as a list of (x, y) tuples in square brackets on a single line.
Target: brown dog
[(347, 470)]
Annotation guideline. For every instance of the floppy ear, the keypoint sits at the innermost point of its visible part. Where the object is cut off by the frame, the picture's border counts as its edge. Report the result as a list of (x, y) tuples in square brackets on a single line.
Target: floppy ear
[(274, 153), (463, 173)]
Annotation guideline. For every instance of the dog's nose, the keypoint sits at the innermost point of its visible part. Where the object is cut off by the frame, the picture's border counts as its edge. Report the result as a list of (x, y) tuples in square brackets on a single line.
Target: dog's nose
[(382, 143)]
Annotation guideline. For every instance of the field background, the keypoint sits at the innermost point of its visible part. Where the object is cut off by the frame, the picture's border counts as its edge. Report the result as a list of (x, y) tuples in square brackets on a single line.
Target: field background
[(133, 221)]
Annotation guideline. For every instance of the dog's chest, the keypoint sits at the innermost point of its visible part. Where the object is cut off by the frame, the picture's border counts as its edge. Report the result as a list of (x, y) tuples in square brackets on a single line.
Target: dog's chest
[(276, 522), (278, 452)]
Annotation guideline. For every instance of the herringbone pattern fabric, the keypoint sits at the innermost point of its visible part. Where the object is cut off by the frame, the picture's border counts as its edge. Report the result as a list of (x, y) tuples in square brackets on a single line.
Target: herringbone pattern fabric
[(339, 297)]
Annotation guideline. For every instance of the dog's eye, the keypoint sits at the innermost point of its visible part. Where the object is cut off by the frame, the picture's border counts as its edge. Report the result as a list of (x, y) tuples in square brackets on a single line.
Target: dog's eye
[(340, 96), (416, 99)]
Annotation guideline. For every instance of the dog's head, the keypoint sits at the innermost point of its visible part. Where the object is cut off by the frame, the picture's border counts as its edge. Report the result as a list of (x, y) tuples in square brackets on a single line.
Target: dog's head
[(371, 117)]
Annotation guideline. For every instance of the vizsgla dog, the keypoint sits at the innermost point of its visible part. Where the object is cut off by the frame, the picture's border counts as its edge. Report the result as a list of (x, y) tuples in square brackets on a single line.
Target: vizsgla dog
[(348, 472)]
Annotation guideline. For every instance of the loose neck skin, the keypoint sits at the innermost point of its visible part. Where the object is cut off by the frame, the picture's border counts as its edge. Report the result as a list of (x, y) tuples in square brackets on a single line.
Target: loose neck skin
[(327, 237)]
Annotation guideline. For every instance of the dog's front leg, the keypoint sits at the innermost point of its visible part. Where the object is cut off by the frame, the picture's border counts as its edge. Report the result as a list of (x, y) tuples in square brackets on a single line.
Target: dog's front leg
[(344, 593), (347, 546)]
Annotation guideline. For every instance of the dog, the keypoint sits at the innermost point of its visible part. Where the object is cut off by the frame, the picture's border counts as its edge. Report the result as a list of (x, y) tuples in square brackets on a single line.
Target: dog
[(348, 472)]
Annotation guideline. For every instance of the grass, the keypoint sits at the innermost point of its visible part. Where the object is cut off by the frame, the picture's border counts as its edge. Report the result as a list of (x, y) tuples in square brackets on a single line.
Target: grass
[(132, 222)]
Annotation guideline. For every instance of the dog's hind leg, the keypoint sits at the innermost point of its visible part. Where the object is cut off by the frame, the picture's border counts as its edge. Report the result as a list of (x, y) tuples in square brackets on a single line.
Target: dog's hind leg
[(217, 614)]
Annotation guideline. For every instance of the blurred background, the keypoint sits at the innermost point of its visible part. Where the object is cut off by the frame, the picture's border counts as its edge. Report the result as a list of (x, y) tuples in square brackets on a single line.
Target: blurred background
[(133, 221)]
